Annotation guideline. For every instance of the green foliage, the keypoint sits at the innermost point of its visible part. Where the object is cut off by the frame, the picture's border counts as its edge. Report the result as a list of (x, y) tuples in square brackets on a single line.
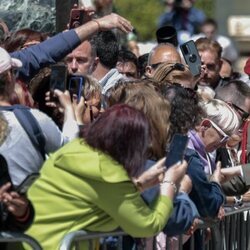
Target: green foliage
[(142, 14)]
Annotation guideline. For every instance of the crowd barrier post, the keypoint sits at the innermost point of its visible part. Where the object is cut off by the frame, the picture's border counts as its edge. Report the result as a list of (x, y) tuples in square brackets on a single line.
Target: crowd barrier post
[(19, 237)]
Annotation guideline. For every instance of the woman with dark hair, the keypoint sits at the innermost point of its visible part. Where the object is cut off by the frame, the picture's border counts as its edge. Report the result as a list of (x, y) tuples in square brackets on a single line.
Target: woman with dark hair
[(22, 39), (144, 96), (18, 40), (185, 111), (89, 183), (186, 118)]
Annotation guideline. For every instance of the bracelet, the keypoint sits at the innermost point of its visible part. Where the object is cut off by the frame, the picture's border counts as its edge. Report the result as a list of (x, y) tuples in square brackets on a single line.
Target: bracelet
[(171, 183), (98, 24)]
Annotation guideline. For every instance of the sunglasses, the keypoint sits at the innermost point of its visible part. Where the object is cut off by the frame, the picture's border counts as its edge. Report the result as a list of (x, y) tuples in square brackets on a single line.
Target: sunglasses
[(224, 81), (225, 137), (243, 114)]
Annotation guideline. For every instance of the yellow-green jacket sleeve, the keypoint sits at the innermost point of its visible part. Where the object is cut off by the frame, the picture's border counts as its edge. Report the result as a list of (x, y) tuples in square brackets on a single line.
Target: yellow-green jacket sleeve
[(125, 205)]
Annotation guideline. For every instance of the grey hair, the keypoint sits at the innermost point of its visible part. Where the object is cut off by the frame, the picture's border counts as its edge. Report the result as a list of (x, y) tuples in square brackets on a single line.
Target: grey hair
[(92, 88), (222, 114)]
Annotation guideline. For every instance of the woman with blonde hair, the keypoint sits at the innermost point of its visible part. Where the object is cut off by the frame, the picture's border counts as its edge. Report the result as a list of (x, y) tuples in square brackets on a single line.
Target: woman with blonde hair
[(142, 95), (174, 73)]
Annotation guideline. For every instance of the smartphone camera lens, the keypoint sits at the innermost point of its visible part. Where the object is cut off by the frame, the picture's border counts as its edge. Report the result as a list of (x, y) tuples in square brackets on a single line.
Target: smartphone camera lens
[(185, 49), (192, 58)]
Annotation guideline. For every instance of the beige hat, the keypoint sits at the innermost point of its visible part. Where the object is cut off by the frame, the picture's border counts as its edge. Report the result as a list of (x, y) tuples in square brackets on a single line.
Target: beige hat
[(6, 62)]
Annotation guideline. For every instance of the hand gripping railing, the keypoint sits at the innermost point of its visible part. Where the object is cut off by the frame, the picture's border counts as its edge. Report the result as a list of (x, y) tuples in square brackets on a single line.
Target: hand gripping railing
[(19, 237), (231, 233)]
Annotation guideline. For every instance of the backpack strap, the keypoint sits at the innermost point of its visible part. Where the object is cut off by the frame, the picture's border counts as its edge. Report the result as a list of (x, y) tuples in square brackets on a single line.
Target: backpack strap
[(30, 125)]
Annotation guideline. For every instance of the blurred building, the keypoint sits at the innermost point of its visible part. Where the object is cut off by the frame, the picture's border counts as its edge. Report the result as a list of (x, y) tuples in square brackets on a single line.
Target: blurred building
[(234, 20)]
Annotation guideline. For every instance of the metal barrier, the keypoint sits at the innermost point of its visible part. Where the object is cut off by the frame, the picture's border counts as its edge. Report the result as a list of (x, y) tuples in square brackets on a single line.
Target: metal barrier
[(232, 233), (19, 237)]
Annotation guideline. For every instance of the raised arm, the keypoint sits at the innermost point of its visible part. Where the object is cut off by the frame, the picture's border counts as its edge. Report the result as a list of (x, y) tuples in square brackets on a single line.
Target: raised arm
[(57, 47)]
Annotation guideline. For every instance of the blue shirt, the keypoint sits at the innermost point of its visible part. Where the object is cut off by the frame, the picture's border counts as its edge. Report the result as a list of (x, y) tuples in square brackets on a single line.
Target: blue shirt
[(48, 52)]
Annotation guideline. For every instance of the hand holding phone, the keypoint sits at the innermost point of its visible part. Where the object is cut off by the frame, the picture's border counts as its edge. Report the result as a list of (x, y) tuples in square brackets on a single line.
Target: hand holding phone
[(76, 86), (78, 17), (192, 57), (58, 77), (26, 183), (176, 150)]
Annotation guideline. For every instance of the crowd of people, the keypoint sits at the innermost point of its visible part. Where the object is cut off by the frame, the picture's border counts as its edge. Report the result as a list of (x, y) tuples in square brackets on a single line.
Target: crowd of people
[(101, 155)]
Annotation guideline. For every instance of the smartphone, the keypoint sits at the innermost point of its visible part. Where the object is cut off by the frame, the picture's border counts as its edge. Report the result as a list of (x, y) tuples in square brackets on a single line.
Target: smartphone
[(176, 150), (27, 182), (58, 77), (192, 57), (76, 85), (78, 17)]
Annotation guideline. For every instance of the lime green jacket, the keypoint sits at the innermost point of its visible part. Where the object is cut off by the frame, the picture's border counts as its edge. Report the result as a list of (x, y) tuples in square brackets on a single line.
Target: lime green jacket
[(82, 188)]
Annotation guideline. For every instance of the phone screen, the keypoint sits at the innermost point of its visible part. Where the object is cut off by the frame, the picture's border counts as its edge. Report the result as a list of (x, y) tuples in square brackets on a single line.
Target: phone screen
[(192, 57), (27, 182), (58, 77), (76, 84), (176, 150)]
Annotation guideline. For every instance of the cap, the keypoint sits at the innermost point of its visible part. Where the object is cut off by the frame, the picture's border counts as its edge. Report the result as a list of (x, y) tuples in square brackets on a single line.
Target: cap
[(167, 34), (247, 67), (6, 62)]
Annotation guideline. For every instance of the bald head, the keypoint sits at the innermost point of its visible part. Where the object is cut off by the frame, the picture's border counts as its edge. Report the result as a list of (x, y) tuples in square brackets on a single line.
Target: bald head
[(162, 53)]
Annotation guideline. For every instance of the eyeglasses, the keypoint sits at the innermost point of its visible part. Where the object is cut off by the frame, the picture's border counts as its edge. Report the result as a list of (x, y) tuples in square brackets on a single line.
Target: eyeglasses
[(243, 114), (224, 81), (92, 113), (221, 132)]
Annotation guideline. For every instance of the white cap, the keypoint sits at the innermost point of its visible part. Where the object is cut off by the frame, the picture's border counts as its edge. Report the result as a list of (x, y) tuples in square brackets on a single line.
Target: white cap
[(6, 62)]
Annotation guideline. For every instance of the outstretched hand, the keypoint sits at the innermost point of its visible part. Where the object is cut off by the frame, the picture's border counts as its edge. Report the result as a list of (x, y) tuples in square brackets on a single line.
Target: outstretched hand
[(115, 21), (153, 176), (217, 176), (63, 100), (176, 172), (229, 173)]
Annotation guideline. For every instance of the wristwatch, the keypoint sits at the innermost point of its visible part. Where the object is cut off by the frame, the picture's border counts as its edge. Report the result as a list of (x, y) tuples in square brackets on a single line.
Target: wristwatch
[(238, 200)]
